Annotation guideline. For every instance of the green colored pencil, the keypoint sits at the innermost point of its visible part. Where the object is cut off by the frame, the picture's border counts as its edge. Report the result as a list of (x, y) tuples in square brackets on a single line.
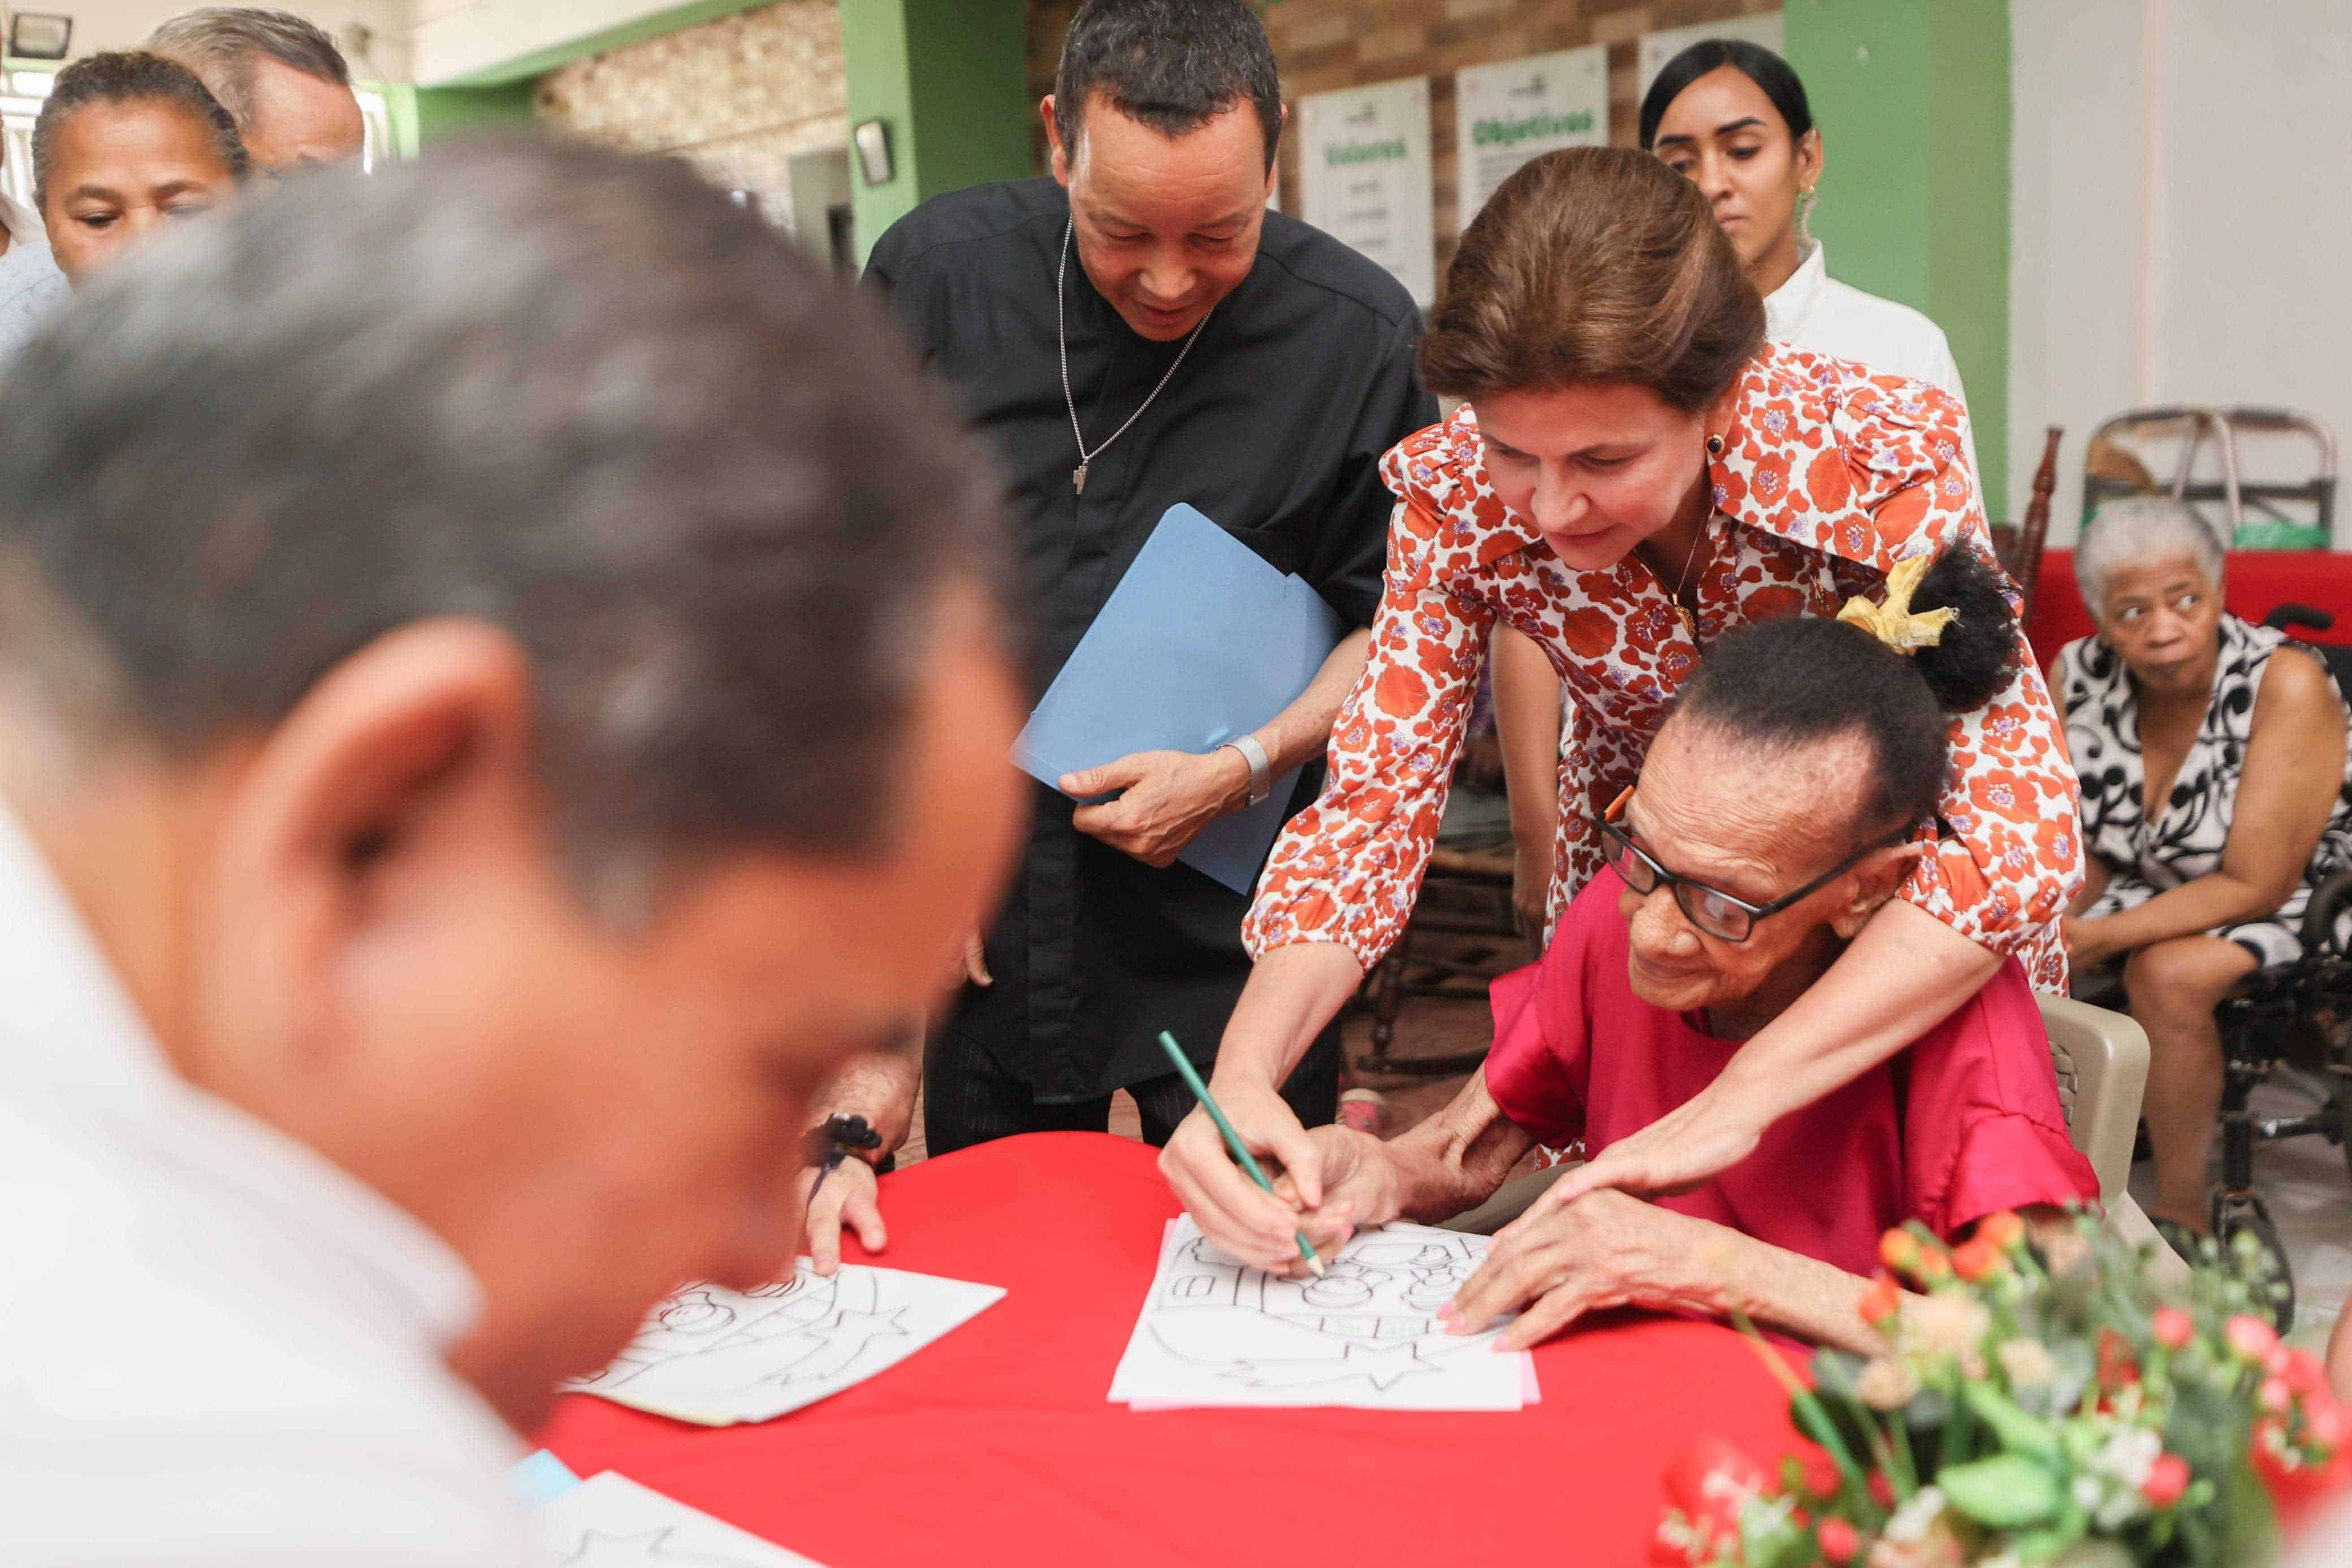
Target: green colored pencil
[(1233, 1139)]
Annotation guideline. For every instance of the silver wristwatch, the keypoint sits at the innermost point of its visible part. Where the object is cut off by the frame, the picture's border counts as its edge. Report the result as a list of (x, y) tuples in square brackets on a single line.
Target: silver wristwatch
[(1261, 766)]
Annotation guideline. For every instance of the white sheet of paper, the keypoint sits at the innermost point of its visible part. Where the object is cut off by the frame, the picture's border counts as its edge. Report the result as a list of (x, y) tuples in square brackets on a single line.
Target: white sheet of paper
[(717, 1357), (1216, 1331), (610, 1521)]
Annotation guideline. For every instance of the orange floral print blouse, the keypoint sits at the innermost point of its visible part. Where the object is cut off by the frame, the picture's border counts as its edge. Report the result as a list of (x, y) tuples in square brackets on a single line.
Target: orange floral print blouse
[(1829, 475)]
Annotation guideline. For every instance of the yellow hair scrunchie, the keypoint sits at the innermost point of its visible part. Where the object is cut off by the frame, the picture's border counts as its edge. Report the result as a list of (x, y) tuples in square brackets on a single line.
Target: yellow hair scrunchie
[(1892, 621)]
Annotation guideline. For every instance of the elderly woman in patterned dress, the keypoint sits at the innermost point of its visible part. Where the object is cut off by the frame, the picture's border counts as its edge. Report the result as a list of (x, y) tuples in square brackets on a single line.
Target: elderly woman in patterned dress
[(1642, 473), (2216, 795)]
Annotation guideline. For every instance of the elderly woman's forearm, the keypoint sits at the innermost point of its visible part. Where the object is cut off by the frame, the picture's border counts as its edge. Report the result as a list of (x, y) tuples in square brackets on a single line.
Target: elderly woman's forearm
[(1814, 1301), (1455, 1159), (1903, 975), (1298, 734)]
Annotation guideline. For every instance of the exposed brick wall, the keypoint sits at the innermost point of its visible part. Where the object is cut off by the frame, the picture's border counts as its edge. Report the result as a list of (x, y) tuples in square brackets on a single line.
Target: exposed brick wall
[(1326, 43), (738, 97)]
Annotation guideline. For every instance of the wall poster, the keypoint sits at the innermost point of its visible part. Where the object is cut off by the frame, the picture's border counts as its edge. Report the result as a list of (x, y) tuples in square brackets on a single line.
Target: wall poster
[(1507, 114), (1364, 177)]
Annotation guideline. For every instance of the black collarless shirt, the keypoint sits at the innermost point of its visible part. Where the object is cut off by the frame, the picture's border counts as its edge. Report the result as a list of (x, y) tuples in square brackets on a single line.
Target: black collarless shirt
[(1274, 426)]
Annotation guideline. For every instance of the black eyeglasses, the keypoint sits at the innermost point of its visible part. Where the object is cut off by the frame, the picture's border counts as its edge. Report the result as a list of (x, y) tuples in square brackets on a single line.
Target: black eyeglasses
[(1711, 909)]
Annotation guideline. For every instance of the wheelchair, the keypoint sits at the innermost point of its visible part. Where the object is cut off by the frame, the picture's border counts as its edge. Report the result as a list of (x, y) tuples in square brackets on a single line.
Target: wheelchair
[(2294, 1024)]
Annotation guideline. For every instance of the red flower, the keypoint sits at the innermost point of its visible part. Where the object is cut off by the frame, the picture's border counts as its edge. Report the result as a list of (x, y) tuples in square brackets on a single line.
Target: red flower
[(2172, 1328), (1817, 1473), (2167, 1479), (2117, 1367), (2303, 1371), (2294, 1486), (1882, 1300), (2249, 1337), (1899, 1249), (1839, 1540), (1978, 1258), (2003, 1229), (1709, 1482), (1882, 1490), (2275, 1397)]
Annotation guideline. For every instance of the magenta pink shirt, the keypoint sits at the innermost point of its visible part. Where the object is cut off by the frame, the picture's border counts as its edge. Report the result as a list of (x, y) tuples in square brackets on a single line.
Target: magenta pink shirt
[(1962, 1123)]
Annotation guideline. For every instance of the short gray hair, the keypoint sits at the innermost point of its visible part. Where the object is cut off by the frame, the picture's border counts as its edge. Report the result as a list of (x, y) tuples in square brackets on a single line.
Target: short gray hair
[(2137, 528), (581, 397), (222, 44)]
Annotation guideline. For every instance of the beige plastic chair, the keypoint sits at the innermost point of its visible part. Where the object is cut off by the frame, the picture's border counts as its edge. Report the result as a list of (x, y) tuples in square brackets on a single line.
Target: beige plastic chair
[(2102, 1061)]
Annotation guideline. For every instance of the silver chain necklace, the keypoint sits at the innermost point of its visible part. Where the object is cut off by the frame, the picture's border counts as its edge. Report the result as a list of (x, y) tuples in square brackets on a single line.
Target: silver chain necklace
[(1062, 335)]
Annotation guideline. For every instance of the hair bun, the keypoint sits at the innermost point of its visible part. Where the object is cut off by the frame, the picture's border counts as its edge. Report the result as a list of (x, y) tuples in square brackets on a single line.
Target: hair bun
[(1971, 663)]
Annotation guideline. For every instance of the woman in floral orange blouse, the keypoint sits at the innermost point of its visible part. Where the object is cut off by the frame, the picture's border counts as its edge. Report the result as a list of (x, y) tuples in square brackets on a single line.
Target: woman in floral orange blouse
[(1641, 473)]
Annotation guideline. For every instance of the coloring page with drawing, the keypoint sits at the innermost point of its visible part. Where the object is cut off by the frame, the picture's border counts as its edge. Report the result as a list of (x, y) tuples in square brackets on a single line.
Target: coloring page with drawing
[(610, 1521), (715, 1356), (1216, 1331)]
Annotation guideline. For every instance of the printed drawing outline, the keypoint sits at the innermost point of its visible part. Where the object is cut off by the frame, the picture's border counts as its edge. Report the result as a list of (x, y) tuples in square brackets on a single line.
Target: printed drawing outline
[(693, 1334), (602, 1549), (1378, 1289), (1370, 1319), (1382, 1365)]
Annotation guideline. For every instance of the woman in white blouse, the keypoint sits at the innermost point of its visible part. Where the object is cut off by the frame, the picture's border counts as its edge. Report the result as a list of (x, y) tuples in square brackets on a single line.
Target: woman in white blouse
[(1732, 117)]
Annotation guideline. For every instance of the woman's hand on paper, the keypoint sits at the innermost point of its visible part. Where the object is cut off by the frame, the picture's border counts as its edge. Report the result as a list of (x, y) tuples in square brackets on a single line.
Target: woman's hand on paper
[(1559, 1261), (1231, 1210), (1165, 799)]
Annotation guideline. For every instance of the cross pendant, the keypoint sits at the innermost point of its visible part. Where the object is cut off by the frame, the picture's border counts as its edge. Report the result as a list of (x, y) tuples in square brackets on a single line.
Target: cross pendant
[(1078, 479)]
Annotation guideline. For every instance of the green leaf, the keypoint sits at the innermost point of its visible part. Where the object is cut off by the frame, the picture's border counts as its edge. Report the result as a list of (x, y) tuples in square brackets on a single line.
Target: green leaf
[(2007, 1492), (2249, 1522), (2018, 1432), (2042, 1545)]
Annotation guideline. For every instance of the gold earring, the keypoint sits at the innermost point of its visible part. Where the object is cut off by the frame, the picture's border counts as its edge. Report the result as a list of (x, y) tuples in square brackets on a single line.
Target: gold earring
[(1715, 446)]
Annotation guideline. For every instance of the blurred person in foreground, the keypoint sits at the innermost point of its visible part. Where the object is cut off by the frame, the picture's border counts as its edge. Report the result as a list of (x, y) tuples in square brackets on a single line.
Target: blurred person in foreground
[(281, 77), (125, 143), (463, 794)]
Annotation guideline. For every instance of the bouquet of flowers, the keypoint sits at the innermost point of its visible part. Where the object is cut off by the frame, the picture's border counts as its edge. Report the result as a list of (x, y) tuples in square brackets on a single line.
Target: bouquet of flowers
[(2030, 1411)]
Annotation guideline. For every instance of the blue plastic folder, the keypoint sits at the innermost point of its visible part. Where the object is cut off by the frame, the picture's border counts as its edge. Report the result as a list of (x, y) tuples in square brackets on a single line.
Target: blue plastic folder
[(1202, 641)]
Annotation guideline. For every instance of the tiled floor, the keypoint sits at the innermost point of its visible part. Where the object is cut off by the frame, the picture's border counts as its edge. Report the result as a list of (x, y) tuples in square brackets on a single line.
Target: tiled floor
[(2305, 1180)]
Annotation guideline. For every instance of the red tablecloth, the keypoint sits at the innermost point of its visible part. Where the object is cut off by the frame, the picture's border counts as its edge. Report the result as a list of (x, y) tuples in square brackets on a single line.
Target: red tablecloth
[(2257, 582), (996, 1445)]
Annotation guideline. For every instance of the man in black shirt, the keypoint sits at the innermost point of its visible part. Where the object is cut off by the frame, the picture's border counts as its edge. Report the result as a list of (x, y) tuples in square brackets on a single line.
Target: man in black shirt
[(1135, 332)]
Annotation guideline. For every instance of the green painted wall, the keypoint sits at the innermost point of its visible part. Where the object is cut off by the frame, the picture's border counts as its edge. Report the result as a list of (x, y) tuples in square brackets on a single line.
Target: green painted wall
[(948, 77), (445, 111), (1912, 97), (429, 114)]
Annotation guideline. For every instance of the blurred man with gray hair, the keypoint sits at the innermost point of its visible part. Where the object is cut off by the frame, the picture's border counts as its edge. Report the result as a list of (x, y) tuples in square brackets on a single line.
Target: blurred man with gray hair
[(282, 78), (503, 691)]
